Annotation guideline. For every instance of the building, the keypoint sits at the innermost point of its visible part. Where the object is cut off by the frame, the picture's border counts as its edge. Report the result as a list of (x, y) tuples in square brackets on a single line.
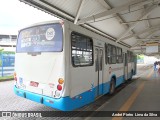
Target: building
[(7, 52), (8, 42)]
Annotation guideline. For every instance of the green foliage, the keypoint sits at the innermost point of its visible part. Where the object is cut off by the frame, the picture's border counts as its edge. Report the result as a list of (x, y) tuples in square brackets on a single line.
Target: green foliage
[(1, 49), (6, 77), (141, 57), (7, 52)]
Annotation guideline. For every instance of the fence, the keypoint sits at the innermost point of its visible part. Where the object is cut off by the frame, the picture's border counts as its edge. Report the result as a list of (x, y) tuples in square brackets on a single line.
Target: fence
[(6, 64)]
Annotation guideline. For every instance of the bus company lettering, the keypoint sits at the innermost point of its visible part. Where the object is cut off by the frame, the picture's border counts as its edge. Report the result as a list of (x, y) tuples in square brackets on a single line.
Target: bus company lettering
[(50, 33), (114, 69)]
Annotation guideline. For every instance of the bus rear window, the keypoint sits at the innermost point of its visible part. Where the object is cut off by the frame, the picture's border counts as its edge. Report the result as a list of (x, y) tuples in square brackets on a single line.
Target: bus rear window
[(43, 38)]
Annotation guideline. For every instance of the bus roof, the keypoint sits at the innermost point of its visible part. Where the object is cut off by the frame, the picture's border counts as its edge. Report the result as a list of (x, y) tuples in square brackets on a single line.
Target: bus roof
[(42, 23)]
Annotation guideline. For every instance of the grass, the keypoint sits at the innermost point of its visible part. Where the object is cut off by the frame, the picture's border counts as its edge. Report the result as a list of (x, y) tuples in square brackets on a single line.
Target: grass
[(6, 77)]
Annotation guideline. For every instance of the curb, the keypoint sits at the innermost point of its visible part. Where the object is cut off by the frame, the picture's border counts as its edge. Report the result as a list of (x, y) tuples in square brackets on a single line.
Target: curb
[(6, 80)]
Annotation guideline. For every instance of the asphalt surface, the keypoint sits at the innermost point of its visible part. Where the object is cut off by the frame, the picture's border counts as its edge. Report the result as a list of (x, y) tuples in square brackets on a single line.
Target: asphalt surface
[(11, 102)]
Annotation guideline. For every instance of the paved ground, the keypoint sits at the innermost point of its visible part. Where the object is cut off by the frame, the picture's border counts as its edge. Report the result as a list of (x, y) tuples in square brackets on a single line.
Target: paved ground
[(10, 102)]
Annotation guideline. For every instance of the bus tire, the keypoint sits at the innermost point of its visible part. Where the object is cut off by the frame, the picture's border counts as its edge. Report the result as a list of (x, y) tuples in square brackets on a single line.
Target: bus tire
[(112, 86)]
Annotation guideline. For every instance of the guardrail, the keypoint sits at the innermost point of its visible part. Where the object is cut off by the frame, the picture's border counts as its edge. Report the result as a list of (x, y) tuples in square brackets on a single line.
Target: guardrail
[(6, 64), (6, 71)]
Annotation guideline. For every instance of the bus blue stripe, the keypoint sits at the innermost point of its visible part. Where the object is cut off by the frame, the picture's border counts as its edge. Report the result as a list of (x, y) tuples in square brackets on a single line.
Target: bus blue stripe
[(119, 80), (67, 103)]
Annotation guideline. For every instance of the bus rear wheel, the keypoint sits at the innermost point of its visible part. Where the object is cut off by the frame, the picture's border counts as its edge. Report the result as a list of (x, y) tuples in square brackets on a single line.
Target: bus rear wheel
[(112, 86)]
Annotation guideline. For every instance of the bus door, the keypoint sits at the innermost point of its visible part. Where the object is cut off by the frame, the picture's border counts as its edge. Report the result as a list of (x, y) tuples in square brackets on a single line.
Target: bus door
[(98, 70), (135, 64), (125, 67)]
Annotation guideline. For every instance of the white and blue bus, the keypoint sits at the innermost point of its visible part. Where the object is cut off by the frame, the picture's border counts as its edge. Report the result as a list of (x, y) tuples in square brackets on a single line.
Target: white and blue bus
[(66, 66)]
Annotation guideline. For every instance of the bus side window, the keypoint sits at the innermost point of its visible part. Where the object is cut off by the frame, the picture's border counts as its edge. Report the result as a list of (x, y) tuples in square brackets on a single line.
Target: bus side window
[(96, 60), (106, 57), (119, 55), (111, 54), (82, 50)]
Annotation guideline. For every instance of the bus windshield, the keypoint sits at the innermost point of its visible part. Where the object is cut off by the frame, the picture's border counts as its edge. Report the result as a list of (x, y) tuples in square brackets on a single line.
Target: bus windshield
[(43, 38)]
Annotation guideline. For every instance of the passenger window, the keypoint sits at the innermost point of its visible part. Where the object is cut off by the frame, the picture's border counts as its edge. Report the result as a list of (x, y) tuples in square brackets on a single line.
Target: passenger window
[(106, 57), (101, 60), (82, 50), (114, 59), (119, 55), (111, 54)]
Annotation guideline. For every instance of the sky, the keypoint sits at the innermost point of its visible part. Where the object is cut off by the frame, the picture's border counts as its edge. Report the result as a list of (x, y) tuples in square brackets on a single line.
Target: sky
[(15, 15)]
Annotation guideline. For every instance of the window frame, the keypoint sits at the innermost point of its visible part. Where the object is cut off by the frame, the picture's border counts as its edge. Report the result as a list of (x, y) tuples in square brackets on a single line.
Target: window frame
[(130, 56), (121, 56), (73, 32), (39, 26), (111, 56), (106, 53)]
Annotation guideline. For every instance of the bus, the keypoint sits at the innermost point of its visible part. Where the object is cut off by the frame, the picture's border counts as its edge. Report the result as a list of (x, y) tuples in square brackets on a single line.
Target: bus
[(65, 66)]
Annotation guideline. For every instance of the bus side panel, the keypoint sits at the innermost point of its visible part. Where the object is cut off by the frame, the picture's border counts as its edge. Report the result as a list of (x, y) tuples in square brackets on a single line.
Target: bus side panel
[(117, 72), (64, 103), (66, 46), (82, 80), (106, 79)]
